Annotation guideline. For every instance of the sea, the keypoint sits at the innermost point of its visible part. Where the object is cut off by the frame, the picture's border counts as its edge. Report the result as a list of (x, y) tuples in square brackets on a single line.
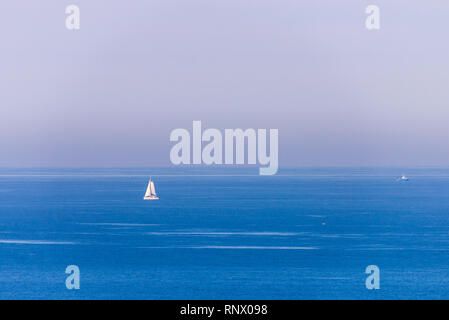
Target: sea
[(224, 233)]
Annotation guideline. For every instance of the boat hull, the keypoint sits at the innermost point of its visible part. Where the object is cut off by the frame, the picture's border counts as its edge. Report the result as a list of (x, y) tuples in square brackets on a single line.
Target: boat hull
[(151, 198)]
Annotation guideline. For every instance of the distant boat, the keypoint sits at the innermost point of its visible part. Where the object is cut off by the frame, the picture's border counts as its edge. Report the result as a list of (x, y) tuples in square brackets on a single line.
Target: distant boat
[(403, 178), (151, 192)]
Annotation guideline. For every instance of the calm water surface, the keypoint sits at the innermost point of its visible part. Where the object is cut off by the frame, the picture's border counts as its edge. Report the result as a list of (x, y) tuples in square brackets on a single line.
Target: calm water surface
[(306, 233)]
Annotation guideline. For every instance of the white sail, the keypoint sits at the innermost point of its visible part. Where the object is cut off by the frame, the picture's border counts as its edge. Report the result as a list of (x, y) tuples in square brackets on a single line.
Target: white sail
[(148, 193), (153, 190)]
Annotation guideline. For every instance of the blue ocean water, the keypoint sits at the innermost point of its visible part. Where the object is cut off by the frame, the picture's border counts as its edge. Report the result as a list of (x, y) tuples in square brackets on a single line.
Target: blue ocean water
[(306, 233)]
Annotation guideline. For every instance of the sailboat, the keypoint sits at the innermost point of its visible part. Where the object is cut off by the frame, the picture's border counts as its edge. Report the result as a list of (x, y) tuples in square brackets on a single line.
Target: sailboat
[(151, 192)]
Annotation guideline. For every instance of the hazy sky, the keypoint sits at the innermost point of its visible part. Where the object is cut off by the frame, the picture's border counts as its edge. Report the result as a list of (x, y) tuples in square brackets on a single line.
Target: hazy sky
[(110, 93)]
